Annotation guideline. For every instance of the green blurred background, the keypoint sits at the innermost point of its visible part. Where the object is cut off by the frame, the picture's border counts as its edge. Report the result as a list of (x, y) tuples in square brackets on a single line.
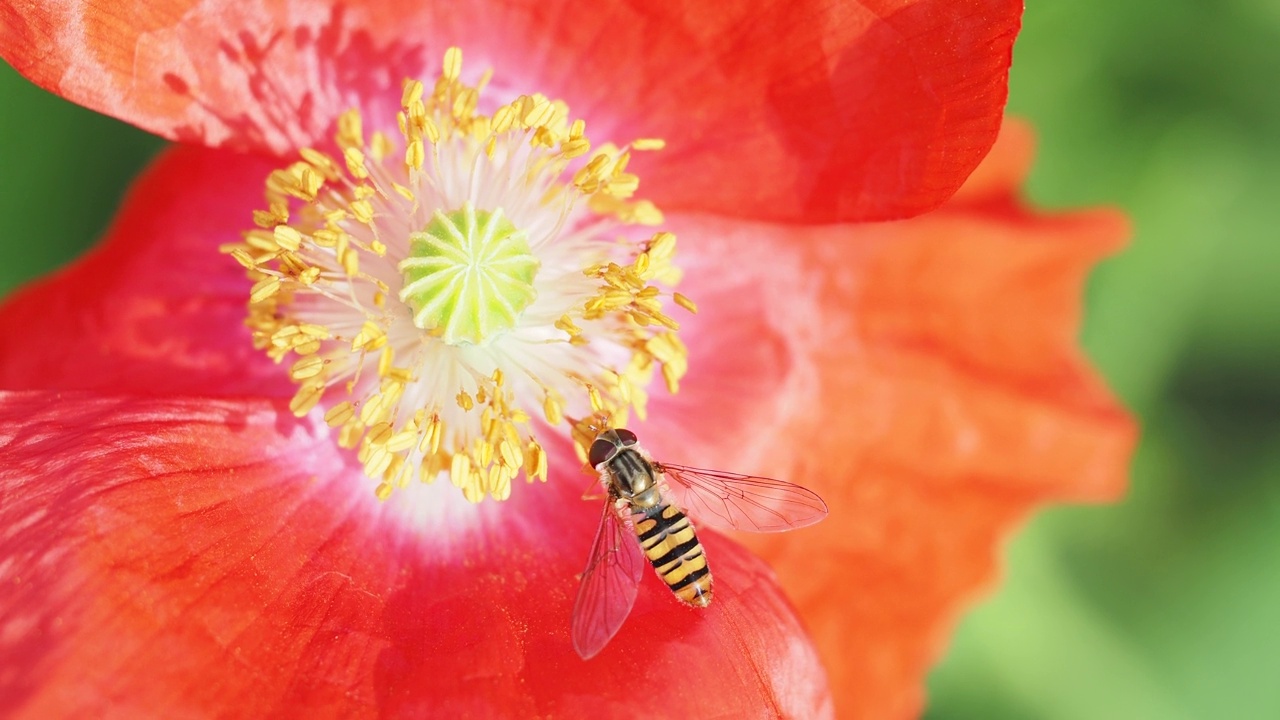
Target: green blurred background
[(1166, 606)]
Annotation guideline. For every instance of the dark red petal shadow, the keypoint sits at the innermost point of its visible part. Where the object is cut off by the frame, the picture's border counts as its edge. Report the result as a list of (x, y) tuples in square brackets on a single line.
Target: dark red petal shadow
[(214, 558), (924, 378), (155, 309), (809, 111)]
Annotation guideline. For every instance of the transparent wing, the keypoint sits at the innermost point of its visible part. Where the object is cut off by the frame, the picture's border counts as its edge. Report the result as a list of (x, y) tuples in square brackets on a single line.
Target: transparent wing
[(609, 584), (732, 501)]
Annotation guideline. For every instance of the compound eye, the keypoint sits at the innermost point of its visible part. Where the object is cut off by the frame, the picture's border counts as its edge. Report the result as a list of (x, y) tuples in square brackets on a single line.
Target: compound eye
[(626, 436), (601, 449)]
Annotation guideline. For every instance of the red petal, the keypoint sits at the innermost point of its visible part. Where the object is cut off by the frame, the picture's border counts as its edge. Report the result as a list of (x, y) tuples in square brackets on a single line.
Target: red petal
[(809, 111), (155, 309), (924, 378), (209, 558), (268, 77), (818, 111)]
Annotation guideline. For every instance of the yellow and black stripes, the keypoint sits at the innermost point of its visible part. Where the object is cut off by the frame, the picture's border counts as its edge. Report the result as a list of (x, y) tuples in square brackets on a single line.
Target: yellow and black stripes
[(668, 540)]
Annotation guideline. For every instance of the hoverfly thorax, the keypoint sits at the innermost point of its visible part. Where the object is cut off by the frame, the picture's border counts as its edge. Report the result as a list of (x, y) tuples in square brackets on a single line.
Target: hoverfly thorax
[(625, 471)]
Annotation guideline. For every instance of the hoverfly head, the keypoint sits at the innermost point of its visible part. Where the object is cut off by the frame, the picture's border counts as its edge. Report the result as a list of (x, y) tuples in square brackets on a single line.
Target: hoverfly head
[(608, 443)]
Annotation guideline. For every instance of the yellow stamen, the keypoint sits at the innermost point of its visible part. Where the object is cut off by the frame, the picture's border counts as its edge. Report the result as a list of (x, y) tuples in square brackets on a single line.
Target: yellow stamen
[(436, 290)]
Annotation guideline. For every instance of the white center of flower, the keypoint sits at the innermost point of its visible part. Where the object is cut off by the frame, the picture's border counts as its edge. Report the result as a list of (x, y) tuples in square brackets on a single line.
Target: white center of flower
[(440, 291)]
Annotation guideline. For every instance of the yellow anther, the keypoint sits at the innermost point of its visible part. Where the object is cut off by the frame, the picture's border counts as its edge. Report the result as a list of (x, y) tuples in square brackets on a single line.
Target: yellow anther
[(472, 490), (326, 237), (350, 261), (460, 469), (510, 454), (354, 158), (309, 183), (362, 210), (482, 454), (321, 162), (623, 185), (370, 338), (672, 378), (535, 462), (575, 147), (306, 398), (381, 147), (431, 130), (340, 414), (378, 408), (553, 410), (350, 435), (385, 358), (503, 119), (465, 104), (304, 348), (260, 241), (401, 441), (307, 367), (620, 164), (452, 63), (267, 218), (431, 436), (244, 258), (264, 289), (432, 466), (685, 303), (415, 154), (350, 129), (499, 483), (287, 237), (648, 144), (378, 433), (538, 115), (566, 324), (412, 92), (377, 461), (662, 245), (642, 212)]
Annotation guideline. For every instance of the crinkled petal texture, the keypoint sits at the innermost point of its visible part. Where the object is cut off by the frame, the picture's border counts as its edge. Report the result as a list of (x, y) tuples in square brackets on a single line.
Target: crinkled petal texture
[(154, 309), (218, 558), (806, 111), (923, 376)]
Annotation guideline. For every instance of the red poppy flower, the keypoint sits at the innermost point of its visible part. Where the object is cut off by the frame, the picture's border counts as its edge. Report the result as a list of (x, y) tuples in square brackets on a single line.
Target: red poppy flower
[(182, 535)]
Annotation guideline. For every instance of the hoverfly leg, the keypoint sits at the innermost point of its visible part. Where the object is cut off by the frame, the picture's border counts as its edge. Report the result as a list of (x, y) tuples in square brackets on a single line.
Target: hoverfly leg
[(594, 491)]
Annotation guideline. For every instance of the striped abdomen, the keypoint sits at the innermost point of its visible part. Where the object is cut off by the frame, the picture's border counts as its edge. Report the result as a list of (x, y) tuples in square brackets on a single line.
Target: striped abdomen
[(668, 540)]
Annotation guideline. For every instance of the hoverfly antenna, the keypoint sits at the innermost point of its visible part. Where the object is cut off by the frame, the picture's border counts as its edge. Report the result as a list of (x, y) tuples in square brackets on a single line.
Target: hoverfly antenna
[(586, 430), (594, 424)]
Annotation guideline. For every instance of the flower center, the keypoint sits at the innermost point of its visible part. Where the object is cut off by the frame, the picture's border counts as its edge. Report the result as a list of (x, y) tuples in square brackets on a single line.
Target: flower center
[(469, 275), (449, 295)]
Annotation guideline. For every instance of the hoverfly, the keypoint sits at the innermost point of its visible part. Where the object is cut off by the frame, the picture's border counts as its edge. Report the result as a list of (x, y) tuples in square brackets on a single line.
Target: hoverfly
[(644, 518)]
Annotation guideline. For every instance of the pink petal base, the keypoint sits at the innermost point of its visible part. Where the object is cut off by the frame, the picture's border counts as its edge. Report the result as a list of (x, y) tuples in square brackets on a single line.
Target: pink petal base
[(217, 558)]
